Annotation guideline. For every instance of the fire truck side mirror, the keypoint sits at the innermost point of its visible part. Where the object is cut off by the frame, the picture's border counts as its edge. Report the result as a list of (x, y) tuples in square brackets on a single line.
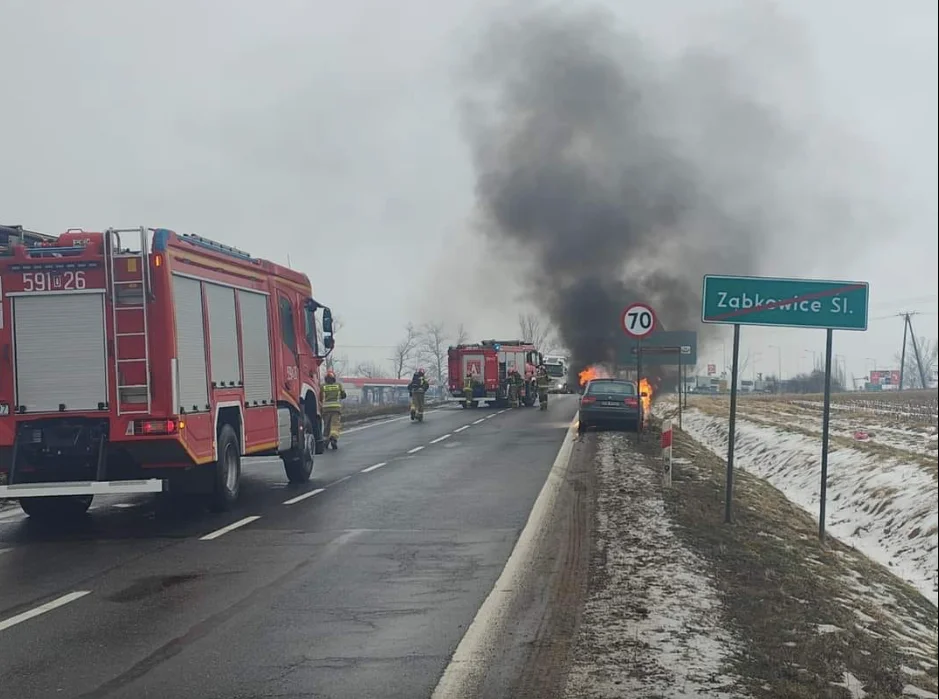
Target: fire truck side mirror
[(328, 341)]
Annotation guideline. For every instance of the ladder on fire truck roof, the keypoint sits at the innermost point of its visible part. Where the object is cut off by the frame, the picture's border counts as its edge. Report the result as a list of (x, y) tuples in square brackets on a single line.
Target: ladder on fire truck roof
[(129, 297)]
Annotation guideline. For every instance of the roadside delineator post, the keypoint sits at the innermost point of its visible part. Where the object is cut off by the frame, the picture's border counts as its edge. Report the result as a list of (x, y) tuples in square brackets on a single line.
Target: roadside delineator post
[(667, 453)]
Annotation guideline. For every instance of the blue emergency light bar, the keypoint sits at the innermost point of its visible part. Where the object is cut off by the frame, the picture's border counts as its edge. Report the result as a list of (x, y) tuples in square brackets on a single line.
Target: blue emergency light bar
[(215, 246)]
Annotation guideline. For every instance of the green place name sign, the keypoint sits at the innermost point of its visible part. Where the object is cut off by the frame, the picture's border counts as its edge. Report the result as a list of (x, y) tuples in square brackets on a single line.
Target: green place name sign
[(794, 303)]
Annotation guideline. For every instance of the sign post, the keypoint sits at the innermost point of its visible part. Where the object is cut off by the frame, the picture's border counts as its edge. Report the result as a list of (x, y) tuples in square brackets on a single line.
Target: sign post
[(638, 322), (681, 387), (781, 302), (667, 453)]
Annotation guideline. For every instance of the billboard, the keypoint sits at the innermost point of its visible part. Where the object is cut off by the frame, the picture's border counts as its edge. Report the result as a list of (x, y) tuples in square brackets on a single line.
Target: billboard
[(886, 377)]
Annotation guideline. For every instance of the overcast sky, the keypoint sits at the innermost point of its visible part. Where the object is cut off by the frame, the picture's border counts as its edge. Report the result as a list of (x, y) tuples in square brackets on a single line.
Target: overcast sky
[(330, 132)]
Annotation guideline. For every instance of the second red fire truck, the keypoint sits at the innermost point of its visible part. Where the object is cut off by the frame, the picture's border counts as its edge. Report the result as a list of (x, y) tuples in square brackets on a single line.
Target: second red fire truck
[(141, 360), (491, 361)]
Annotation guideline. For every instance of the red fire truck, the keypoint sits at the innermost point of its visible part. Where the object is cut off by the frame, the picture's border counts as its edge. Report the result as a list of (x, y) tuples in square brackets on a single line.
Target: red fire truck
[(491, 360), (140, 361)]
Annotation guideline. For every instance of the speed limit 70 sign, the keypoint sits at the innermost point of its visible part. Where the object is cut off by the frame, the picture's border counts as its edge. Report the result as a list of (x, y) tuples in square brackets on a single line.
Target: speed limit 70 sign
[(639, 320)]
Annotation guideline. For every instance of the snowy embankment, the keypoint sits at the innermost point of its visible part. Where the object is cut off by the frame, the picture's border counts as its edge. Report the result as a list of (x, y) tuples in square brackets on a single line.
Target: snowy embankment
[(884, 507)]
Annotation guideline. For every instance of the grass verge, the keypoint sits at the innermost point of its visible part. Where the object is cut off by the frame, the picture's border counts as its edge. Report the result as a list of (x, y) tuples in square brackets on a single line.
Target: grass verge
[(819, 620)]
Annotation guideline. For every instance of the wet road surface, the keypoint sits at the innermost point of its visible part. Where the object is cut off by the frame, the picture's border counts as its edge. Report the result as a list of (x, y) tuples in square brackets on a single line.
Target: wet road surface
[(358, 584)]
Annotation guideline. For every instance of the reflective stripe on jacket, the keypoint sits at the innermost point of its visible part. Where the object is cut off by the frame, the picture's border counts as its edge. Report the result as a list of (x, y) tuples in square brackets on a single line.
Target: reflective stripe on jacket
[(331, 394)]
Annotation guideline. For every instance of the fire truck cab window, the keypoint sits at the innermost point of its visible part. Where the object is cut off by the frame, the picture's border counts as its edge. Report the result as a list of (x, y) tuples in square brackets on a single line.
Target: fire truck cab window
[(288, 329), (309, 329)]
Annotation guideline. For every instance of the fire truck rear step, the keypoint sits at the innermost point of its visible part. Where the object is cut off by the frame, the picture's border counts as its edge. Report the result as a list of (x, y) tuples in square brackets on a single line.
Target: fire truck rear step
[(35, 490)]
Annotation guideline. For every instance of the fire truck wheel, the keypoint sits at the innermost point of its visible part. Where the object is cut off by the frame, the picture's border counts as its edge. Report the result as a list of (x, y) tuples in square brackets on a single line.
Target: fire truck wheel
[(227, 471), (300, 467), (56, 508)]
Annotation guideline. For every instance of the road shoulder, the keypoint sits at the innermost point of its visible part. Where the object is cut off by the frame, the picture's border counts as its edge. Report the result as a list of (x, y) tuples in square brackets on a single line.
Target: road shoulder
[(680, 604), (519, 644)]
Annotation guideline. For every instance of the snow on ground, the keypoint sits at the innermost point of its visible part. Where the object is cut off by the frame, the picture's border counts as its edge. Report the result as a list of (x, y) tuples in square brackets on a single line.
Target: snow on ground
[(896, 430), (654, 626), (885, 508)]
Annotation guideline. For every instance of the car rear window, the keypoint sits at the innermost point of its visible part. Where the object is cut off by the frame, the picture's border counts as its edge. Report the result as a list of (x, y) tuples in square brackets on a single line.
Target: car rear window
[(620, 388)]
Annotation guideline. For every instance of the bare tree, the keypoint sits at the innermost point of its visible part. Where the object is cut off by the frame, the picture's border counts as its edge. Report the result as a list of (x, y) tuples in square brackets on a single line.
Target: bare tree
[(928, 351), (462, 336), (533, 330), (406, 350), (369, 370), (432, 349)]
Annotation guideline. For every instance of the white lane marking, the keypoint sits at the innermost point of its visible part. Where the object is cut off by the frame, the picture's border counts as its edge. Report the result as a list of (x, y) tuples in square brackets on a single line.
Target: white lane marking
[(414, 450), (460, 429), (491, 415), (341, 480), (375, 467), (502, 411), (301, 498), (467, 667), (231, 527), (3, 551), (42, 609), (476, 422), (440, 439)]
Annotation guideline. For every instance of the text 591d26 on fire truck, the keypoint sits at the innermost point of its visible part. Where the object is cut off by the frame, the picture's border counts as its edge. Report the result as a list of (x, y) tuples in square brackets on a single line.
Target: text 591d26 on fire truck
[(141, 360)]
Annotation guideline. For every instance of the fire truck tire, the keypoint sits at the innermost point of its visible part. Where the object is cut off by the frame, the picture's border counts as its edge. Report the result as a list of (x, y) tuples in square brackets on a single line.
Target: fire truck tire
[(56, 508), (227, 483), (299, 467)]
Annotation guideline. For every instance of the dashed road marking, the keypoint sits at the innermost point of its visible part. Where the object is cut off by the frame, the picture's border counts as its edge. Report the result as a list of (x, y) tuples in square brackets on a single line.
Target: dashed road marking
[(440, 439), (341, 480), (414, 450), (231, 527), (375, 467), (42, 609), (301, 498), (460, 429), (502, 411), (476, 422)]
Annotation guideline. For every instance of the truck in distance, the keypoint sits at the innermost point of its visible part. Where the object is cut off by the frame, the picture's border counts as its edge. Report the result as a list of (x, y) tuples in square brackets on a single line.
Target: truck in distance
[(141, 360)]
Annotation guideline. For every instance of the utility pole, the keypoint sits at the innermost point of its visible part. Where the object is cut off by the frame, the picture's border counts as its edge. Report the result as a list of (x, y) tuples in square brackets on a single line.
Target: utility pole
[(906, 324), (919, 359)]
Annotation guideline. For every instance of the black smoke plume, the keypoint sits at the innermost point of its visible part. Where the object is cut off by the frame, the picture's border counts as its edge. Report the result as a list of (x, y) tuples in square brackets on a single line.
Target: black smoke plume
[(618, 175)]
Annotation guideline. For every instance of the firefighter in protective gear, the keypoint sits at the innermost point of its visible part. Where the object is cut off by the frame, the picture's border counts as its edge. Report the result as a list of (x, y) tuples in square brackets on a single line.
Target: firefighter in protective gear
[(468, 389), (416, 389), (331, 395), (544, 383), (515, 387)]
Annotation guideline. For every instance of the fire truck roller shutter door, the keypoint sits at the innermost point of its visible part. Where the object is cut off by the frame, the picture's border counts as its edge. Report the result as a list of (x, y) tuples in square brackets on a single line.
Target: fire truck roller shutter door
[(61, 353), (190, 344), (255, 348), (223, 335)]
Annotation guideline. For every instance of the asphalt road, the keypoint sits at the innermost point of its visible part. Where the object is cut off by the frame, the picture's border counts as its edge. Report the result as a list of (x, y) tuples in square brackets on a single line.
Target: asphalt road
[(359, 584)]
